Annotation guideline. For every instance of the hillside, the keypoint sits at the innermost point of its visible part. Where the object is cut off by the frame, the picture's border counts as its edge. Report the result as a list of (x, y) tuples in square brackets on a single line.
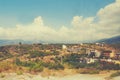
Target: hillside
[(35, 58), (113, 40)]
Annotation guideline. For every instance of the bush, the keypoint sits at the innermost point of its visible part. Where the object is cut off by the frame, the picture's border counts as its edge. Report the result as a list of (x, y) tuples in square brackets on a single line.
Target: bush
[(109, 66), (73, 57), (2, 75), (93, 65), (38, 67), (17, 61), (77, 65), (94, 72), (19, 72), (28, 64), (55, 66), (90, 71), (34, 54), (115, 74)]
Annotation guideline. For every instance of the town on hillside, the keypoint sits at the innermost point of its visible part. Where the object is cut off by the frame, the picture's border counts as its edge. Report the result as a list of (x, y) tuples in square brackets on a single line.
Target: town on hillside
[(36, 57)]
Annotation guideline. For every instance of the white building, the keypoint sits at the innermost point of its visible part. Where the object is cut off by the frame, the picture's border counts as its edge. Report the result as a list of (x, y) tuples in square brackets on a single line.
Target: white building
[(64, 47)]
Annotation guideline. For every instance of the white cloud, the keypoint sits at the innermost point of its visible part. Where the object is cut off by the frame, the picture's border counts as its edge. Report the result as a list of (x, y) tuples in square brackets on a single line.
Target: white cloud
[(38, 21), (79, 21), (109, 18), (105, 24)]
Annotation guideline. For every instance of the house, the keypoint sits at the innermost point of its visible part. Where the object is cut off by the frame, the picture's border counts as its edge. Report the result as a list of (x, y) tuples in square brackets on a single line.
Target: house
[(108, 54), (90, 60), (112, 54), (91, 54), (117, 56), (97, 53)]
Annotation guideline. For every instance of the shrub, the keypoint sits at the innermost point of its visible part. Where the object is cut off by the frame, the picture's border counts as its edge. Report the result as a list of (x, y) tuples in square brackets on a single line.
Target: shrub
[(37, 68), (115, 74), (2, 75), (17, 61), (109, 66), (90, 71), (19, 72), (55, 66), (93, 65), (94, 72)]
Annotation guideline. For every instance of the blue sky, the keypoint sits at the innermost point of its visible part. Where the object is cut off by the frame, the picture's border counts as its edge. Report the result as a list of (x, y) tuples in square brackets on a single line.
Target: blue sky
[(59, 20), (55, 12)]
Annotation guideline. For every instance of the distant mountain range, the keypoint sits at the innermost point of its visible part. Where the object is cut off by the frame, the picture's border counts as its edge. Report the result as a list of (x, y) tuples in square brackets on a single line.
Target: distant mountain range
[(9, 42), (113, 40)]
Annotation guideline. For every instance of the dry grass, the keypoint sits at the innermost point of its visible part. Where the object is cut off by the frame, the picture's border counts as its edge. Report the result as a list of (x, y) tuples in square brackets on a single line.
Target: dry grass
[(47, 72), (2, 75)]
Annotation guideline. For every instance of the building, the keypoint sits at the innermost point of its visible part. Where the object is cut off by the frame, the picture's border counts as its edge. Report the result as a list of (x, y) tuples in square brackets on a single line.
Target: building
[(97, 53), (108, 54), (64, 47), (112, 55)]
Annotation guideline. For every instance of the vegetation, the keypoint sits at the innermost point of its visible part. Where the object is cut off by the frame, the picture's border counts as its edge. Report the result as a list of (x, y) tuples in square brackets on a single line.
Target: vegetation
[(6, 66), (5, 55), (115, 74), (19, 72), (73, 61), (38, 66), (109, 66), (55, 66), (73, 57), (2, 75), (89, 71), (34, 54), (36, 58)]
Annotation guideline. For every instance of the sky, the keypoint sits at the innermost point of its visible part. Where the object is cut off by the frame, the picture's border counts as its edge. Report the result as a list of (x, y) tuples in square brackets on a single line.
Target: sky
[(59, 20)]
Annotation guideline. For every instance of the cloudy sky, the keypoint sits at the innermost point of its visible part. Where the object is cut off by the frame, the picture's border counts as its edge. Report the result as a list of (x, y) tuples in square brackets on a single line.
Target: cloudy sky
[(59, 20)]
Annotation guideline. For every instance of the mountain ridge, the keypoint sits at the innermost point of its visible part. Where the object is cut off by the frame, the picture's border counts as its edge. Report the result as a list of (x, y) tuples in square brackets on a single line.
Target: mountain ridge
[(112, 40)]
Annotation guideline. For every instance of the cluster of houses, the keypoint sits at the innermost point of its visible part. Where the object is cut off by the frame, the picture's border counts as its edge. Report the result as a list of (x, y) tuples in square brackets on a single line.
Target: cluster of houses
[(102, 53)]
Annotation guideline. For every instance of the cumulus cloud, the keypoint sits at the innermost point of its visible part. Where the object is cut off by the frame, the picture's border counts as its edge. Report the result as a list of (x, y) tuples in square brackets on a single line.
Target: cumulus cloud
[(109, 18), (106, 23), (79, 21), (38, 21)]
